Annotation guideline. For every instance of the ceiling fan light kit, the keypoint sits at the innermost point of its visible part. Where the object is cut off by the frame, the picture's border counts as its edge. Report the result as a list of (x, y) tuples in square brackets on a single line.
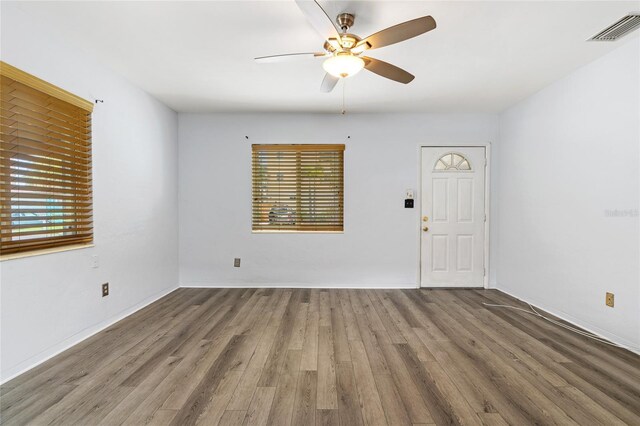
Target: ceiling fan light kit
[(343, 65), (344, 50)]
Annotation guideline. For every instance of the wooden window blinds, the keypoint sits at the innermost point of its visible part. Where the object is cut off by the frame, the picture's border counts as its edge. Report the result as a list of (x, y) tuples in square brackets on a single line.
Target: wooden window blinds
[(45, 165), (298, 188)]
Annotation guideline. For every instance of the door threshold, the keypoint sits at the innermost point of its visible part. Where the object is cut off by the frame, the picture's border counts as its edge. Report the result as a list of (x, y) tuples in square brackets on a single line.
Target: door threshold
[(451, 288)]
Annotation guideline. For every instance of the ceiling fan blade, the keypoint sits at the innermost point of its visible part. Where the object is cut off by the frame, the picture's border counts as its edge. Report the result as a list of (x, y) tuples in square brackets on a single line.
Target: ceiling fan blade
[(328, 83), (318, 18), (397, 33), (387, 70), (288, 57)]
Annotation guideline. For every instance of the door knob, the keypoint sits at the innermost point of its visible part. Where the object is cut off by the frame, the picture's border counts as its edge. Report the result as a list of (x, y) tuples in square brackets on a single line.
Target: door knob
[(425, 229), (425, 218)]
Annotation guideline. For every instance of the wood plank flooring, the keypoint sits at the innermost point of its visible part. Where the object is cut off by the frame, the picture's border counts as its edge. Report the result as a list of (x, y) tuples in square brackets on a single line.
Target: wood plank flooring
[(329, 357)]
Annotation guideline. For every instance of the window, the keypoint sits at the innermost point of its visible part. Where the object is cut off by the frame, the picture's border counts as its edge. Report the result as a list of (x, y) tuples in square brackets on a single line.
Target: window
[(298, 188), (452, 161), (45, 165)]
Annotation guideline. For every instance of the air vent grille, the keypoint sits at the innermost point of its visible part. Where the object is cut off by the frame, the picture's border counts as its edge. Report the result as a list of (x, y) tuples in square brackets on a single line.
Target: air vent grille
[(618, 30)]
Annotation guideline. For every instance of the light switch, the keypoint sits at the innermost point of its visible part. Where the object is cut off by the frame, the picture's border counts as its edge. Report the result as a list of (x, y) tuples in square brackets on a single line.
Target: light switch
[(409, 194)]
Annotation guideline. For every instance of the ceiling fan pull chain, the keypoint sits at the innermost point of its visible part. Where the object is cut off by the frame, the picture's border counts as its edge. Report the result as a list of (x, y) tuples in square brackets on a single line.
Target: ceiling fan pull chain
[(344, 83)]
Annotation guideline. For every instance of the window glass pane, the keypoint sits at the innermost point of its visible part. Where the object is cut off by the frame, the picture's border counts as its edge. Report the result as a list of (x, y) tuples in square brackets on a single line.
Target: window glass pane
[(452, 161)]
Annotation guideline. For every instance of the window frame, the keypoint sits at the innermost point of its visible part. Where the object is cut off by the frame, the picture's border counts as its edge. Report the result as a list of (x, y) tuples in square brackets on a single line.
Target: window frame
[(298, 150)]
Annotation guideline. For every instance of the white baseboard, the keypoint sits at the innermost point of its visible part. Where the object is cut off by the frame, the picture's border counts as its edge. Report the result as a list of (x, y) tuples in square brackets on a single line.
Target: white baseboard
[(294, 285), (52, 351), (591, 328)]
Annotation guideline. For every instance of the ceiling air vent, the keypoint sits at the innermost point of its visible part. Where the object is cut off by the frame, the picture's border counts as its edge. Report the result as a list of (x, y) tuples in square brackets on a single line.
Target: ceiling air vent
[(619, 29)]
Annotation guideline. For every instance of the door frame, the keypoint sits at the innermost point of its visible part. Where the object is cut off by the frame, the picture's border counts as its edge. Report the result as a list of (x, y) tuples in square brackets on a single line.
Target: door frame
[(487, 203)]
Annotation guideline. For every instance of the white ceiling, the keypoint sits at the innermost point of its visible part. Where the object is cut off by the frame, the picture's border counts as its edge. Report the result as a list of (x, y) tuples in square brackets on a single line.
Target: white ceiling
[(197, 56)]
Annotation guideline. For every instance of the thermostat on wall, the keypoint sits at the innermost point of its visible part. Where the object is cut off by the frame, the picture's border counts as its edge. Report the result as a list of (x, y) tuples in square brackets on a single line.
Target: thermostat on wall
[(408, 201)]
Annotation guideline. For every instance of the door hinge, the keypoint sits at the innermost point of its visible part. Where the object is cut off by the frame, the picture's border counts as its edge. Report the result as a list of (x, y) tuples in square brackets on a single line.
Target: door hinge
[(485, 217), (484, 272)]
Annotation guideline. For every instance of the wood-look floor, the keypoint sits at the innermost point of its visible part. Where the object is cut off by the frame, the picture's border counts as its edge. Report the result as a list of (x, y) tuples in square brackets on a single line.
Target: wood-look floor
[(348, 357)]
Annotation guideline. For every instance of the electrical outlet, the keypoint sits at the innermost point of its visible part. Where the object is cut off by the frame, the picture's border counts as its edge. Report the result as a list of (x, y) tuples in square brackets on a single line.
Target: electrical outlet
[(95, 261), (105, 289), (236, 262), (609, 300)]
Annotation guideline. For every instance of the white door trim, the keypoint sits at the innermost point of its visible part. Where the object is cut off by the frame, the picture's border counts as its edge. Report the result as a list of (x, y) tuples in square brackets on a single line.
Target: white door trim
[(487, 203)]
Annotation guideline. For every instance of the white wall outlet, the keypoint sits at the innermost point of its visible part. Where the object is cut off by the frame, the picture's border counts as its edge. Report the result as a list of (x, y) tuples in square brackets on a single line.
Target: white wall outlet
[(95, 261), (409, 194)]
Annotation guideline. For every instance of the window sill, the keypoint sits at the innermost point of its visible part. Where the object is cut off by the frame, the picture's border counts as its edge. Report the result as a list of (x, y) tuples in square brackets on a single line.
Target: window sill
[(269, 231), (44, 251)]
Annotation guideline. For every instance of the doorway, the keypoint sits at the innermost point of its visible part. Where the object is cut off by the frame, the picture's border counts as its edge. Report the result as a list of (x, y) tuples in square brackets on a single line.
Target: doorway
[(453, 231)]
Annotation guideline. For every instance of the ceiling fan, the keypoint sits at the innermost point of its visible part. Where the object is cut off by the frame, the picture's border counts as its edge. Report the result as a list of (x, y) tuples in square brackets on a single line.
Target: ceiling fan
[(344, 51)]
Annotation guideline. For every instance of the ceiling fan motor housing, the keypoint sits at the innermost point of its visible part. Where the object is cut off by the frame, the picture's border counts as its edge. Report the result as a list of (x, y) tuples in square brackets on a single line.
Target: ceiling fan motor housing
[(349, 41)]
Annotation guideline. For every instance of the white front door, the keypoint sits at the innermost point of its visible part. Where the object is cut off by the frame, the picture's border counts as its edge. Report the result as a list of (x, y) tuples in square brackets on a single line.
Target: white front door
[(453, 217)]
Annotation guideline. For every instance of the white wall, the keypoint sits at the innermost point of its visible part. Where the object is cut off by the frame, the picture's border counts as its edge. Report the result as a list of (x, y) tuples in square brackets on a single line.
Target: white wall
[(52, 301), (567, 155), (379, 246)]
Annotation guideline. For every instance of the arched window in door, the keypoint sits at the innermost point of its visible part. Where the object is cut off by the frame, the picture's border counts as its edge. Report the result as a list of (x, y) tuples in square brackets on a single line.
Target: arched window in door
[(452, 161)]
